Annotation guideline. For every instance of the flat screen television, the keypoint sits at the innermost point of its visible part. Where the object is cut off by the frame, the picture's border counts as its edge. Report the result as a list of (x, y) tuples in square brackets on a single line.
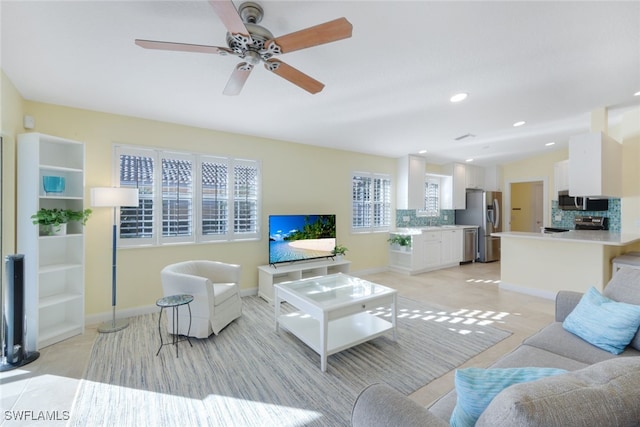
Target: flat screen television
[(301, 237)]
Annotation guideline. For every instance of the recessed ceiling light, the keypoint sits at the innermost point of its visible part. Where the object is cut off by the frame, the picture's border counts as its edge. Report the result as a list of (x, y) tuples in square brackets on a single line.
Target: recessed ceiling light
[(469, 160), (637, 93), (549, 144), (422, 152), (520, 123), (459, 97)]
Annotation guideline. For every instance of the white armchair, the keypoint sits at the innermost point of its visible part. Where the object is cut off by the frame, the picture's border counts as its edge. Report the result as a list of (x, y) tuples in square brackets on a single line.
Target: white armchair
[(216, 295)]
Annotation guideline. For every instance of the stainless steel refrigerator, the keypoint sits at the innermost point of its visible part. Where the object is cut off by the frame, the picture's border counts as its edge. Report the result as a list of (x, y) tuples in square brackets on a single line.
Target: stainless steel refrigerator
[(483, 210)]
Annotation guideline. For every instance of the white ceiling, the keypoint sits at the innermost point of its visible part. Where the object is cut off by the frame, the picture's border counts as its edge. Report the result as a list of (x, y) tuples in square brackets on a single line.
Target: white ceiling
[(387, 88)]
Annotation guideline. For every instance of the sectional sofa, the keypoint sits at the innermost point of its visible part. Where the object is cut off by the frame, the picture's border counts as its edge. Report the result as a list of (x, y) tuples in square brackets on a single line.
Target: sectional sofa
[(590, 385)]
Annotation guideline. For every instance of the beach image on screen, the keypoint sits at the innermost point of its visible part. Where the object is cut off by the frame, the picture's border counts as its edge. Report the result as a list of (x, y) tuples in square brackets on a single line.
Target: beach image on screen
[(300, 237)]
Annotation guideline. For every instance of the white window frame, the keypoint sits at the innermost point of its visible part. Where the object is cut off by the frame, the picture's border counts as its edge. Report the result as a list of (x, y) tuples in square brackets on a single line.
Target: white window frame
[(158, 225), (196, 236), (374, 226), (432, 180)]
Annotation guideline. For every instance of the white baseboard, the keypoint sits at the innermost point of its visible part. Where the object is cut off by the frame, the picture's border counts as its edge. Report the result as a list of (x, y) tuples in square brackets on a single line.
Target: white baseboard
[(94, 319), (98, 318), (528, 291)]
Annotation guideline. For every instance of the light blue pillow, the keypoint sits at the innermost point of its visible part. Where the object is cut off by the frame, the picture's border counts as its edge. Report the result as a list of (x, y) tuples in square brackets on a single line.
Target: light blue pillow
[(477, 387), (603, 322)]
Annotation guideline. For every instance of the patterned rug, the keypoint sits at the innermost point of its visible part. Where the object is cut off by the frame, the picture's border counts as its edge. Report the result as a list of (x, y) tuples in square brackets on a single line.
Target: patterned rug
[(249, 375)]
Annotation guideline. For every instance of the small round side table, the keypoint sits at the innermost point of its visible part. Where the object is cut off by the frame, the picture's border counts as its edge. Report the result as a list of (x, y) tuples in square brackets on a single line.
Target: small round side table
[(174, 302)]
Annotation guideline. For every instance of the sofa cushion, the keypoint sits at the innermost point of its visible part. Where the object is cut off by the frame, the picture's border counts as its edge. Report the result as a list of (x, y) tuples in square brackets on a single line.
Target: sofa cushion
[(555, 339), (524, 355), (604, 394), (603, 322), (476, 388), (624, 286)]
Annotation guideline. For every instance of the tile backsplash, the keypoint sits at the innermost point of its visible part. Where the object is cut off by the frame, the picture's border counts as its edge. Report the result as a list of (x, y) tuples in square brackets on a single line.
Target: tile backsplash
[(447, 217), (559, 217), (564, 219)]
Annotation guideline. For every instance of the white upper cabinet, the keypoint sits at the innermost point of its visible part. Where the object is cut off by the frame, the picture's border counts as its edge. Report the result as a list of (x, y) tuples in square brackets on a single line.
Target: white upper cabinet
[(560, 176), (458, 174), (493, 178), (412, 171), (474, 177), (596, 166)]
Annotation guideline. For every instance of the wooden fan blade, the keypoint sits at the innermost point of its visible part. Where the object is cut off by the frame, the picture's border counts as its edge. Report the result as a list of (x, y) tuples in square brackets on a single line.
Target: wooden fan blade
[(328, 32), (182, 47), (295, 76), (237, 79), (229, 16)]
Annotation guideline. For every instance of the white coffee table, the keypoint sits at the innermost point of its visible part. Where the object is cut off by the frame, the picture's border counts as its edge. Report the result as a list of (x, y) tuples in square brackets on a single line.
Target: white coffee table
[(334, 312)]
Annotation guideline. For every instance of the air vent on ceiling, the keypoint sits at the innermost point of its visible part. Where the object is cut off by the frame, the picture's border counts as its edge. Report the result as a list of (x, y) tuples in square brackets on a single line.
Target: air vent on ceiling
[(465, 136)]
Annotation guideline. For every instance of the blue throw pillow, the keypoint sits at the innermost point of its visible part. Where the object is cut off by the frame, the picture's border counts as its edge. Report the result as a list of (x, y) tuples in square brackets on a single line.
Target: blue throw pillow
[(603, 322), (476, 388)]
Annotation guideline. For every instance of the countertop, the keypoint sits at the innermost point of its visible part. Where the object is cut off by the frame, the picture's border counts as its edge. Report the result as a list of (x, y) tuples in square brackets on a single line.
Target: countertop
[(577, 236), (419, 230)]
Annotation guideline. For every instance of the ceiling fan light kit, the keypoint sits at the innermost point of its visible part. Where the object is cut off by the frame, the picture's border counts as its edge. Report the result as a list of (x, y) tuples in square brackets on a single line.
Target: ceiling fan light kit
[(254, 44)]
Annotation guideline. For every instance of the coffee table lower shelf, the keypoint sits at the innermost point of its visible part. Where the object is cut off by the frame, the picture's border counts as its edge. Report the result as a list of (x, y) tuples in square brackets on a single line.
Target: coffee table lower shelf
[(343, 333)]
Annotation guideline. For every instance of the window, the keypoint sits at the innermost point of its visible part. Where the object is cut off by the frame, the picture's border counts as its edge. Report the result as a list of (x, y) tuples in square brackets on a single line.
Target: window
[(432, 196), (187, 197), (371, 202)]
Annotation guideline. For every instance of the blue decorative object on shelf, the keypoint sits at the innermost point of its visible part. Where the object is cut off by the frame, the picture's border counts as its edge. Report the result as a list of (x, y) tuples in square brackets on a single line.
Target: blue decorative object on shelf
[(53, 184)]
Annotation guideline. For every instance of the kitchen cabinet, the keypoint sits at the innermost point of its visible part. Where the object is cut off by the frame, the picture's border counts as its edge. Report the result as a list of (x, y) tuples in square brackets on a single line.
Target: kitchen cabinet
[(457, 171), (412, 172), (560, 177), (54, 265), (474, 177), (596, 166), (432, 248), (452, 246), (432, 243), (493, 178)]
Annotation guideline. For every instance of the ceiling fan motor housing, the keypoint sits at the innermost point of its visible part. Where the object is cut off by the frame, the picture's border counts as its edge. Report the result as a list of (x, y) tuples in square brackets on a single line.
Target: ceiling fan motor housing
[(252, 13)]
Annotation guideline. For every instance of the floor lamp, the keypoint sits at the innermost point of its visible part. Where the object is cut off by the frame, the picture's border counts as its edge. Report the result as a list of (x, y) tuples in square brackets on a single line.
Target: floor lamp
[(113, 197)]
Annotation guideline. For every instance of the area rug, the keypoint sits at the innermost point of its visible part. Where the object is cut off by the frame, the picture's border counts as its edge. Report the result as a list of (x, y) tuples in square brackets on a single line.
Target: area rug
[(249, 375)]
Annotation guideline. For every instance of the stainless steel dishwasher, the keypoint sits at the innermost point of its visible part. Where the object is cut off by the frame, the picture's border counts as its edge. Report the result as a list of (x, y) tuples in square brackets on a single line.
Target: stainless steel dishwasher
[(470, 250)]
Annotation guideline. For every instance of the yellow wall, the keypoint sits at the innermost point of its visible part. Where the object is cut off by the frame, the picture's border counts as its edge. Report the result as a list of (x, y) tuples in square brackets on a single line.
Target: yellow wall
[(11, 112), (296, 178)]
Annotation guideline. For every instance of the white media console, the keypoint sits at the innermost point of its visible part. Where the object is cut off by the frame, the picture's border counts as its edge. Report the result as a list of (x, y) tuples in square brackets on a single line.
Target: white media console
[(270, 274)]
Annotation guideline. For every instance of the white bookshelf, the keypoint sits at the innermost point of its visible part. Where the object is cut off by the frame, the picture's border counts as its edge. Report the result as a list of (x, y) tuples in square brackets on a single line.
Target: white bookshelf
[(268, 275), (54, 265)]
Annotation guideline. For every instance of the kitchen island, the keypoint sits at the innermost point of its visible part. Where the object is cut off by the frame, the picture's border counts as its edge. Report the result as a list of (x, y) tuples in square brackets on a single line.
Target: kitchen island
[(542, 264)]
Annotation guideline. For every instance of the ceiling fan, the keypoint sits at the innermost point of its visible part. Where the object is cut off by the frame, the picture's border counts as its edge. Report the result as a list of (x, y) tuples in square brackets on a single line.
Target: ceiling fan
[(254, 44)]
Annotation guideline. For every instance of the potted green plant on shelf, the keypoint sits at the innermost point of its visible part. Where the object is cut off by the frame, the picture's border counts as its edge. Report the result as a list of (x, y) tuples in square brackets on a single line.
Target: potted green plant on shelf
[(402, 241), (54, 221), (339, 251)]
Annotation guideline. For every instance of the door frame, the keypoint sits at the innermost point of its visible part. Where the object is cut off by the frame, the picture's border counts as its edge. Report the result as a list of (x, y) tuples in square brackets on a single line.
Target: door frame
[(506, 200)]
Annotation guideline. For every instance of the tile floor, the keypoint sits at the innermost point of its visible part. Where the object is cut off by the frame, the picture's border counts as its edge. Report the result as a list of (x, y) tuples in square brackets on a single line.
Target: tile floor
[(49, 384)]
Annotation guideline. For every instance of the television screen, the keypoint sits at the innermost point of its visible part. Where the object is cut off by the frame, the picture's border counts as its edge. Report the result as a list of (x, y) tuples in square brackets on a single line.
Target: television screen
[(301, 237)]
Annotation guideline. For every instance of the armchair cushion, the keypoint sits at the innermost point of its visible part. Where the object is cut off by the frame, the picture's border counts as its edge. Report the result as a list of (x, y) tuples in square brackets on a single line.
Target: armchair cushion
[(223, 291)]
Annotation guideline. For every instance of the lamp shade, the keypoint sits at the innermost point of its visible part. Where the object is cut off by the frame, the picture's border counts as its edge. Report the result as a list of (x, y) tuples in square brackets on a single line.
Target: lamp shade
[(113, 197)]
